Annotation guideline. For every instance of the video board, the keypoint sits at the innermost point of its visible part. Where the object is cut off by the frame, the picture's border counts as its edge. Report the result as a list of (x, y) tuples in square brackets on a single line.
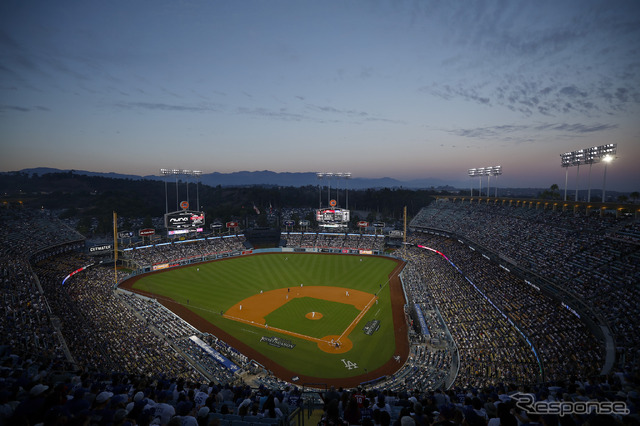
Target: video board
[(332, 216), (184, 219)]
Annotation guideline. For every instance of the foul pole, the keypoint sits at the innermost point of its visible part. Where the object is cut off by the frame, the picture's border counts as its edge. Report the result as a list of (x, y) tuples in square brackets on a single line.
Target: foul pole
[(115, 247)]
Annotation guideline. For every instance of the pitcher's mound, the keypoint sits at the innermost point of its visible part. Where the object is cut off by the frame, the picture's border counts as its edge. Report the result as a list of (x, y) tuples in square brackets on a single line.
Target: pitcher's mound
[(345, 345), (313, 315)]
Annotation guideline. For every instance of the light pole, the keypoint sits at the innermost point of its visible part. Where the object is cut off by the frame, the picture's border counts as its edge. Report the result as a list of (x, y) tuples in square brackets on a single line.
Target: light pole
[(165, 172), (472, 174), (347, 176), (176, 172), (187, 173), (197, 174), (338, 175), (496, 171), (586, 156), (328, 175), (320, 175), (607, 159)]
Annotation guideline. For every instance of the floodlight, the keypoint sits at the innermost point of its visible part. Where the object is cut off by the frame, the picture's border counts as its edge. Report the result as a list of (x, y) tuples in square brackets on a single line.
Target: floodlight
[(567, 159), (586, 156)]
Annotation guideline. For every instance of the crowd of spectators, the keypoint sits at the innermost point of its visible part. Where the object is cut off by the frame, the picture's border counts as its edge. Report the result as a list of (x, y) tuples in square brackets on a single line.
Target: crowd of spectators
[(328, 240), (591, 256), (86, 353), (163, 252)]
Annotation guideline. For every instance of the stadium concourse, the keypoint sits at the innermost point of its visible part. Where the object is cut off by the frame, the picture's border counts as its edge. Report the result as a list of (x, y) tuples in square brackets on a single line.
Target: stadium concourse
[(82, 352)]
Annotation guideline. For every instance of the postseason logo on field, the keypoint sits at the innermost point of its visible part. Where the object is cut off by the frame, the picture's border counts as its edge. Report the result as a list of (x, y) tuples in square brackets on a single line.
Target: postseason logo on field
[(278, 342), (371, 327)]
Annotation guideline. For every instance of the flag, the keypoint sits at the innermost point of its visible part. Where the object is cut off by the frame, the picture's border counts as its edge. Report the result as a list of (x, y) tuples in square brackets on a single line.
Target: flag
[(256, 209)]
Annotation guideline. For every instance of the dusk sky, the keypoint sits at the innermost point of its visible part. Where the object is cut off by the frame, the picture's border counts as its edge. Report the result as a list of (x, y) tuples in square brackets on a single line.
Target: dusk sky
[(404, 89)]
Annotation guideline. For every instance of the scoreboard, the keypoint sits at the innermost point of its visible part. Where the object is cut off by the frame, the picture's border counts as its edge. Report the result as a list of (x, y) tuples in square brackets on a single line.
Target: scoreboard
[(331, 216), (184, 220)]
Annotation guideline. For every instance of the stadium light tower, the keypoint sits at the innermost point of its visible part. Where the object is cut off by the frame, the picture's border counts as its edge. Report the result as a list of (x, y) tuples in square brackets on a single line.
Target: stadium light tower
[(578, 159), (337, 175), (176, 172), (473, 173), (567, 161), (187, 173), (607, 159), (586, 156), (165, 173), (347, 176), (328, 175), (496, 171), (319, 175), (197, 174)]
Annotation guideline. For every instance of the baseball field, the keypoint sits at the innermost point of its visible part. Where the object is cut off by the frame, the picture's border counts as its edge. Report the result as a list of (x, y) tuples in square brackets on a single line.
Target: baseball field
[(321, 318)]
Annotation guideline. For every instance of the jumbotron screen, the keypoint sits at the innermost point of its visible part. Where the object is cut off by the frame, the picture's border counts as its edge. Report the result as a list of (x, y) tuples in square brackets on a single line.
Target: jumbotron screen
[(332, 216), (185, 219)]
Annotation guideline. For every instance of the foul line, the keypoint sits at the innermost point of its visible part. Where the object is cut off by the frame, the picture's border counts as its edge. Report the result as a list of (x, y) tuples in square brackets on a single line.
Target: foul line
[(279, 330), (347, 331), (355, 322)]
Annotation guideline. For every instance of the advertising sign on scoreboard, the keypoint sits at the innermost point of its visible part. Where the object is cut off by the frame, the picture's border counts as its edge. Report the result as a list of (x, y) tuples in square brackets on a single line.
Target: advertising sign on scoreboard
[(289, 222), (232, 225), (304, 222), (363, 224), (146, 231), (378, 224), (185, 219)]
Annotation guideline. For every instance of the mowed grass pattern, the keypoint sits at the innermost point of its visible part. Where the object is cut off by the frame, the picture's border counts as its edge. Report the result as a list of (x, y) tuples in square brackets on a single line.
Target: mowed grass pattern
[(211, 288), (336, 317)]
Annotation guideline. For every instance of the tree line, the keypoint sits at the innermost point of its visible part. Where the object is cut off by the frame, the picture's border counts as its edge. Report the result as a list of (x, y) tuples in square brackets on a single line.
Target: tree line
[(91, 200)]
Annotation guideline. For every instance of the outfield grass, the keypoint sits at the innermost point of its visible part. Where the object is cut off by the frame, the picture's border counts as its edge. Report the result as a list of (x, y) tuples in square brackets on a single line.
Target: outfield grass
[(211, 288)]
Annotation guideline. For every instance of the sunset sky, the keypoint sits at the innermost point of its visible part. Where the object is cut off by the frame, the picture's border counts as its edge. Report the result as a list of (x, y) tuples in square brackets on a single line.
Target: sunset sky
[(404, 89)]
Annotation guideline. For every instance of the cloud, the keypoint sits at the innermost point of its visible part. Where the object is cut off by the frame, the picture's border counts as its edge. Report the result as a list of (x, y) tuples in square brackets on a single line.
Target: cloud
[(542, 59), (158, 106), (281, 114), (4, 108), (577, 127), (447, 92), (543, 96), (350, 114), (490, 132), (527, 133)]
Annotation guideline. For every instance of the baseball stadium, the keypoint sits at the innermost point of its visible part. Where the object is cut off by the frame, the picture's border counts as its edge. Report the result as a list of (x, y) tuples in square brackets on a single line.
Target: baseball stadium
[(475, 301)]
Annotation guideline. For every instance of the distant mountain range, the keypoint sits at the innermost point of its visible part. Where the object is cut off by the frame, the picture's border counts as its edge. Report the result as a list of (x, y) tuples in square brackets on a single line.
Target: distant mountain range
[(270, 178), (289, 179)]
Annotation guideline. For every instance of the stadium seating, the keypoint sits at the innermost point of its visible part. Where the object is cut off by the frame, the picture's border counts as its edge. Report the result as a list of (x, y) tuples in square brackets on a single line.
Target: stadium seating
[(82, 340)]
